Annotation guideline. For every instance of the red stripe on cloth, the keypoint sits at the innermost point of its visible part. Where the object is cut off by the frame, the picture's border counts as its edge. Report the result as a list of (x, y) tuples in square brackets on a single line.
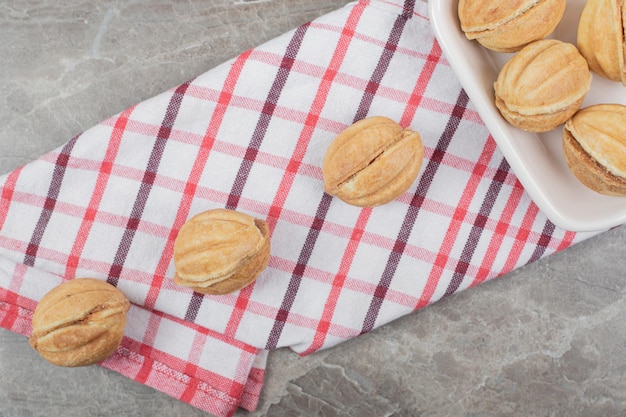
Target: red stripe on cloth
[(11, 296), (224, 383), (499, 232), (61, 258), (239, 309), (566, 242), (478, 226), (220, 197), (7, 194), (427, 177), (209, 139), (298, 154), (412, 52), (264, 310), (191, 389), (252, 392), (455, 224), (191, 368), (266, 159), (147, 347), (324, 205), (258, 105), (399, 245), (98, 191), (417, 95), (135, 275), (193, 180), (17, 318), (313, 116), (521, 238), (361, 223), (317, 71), (338, 283), (250, 388)]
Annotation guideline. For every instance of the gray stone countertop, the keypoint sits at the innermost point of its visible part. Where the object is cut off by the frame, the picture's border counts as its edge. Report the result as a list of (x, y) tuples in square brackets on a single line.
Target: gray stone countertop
[(548, 339)]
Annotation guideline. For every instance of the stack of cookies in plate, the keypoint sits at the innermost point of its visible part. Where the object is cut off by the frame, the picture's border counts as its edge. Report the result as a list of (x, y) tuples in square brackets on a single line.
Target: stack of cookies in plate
[(543, 85)]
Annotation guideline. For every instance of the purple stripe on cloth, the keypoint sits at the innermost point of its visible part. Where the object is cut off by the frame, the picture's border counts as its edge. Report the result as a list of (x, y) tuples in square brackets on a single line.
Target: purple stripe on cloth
[(194, 306), (383, 63), (411, 216), (322, 209), (477, 228), (271, 101), (298, 272), (544, 241), (266, 115), (146, 183), (51, 198)]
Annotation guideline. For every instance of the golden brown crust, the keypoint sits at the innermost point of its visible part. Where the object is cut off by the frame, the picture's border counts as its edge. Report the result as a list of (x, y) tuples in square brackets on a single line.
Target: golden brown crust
[(542, 86), (79, 323), (594, 146), (537, 122), (600, 38), (481, 15), (372, 162), (589, 171), (221, 251), (511, 25), (353, 149)]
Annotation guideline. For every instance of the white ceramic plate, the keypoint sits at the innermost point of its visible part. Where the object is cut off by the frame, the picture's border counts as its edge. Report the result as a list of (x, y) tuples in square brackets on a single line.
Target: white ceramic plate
[(536, 159)]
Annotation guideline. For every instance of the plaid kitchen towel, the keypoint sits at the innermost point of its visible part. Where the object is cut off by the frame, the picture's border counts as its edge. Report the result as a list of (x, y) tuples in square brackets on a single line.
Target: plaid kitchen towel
[(250, 135)]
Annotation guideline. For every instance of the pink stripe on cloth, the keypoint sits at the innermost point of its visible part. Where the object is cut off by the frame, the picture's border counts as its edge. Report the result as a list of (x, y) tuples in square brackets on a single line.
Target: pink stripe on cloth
[(251, 135)]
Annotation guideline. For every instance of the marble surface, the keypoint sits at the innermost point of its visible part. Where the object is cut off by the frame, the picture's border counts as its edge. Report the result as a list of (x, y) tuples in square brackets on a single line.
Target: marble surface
[(546, 340)]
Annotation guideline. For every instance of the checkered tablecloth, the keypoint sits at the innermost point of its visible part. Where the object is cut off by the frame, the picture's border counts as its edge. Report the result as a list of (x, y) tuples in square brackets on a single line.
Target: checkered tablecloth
[(250, 135)]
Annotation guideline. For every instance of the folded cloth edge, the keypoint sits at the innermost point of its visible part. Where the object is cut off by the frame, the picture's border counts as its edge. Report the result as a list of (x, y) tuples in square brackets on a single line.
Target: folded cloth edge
[(142, 363)]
